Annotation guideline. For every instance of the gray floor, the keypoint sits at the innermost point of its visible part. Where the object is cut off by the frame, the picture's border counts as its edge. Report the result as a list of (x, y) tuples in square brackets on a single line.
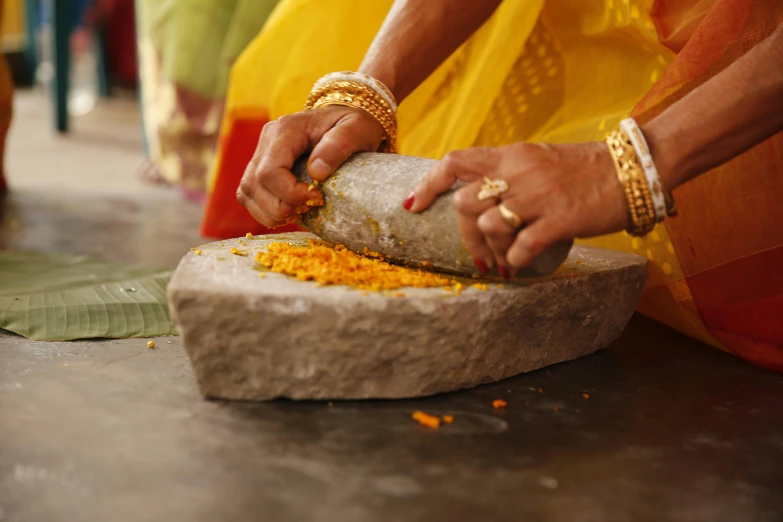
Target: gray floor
[(109, 430)]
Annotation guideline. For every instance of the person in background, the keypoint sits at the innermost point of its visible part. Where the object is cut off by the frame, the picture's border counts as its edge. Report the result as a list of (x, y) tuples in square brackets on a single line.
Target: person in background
[(487, 83), (186, 48)]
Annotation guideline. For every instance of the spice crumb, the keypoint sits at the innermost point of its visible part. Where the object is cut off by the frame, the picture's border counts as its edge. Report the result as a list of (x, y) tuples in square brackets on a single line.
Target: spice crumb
[(499, 403), (585, 396), (238, 252), (448, 419), (541, 390), (151, 345), (425, 419)]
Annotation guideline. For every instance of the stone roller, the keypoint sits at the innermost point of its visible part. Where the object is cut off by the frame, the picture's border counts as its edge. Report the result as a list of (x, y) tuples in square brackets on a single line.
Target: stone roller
[(363, 209), (255, 338)]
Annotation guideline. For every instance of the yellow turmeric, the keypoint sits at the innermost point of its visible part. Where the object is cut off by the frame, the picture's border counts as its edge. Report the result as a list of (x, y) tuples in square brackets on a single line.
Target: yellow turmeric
[(336, 265)]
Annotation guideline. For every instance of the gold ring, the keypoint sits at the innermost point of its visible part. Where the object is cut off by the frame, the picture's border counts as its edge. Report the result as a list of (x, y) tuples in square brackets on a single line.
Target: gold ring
[(492, 188), (510, 217)]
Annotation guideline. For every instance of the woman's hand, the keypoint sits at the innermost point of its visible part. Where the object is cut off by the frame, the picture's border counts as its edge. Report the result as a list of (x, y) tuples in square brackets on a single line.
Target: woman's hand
[(561, 192), (270, 192)]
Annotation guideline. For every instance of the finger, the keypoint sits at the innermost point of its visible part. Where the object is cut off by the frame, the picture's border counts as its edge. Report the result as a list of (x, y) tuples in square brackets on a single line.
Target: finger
[(532, 240), (499, 235), (469, 208), (465, 165), (273, 168), (258, 214), (275, 208), (353, 133)]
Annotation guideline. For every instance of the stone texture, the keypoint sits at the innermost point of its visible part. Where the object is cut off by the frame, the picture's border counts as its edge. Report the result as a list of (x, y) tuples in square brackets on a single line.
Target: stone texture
[(363, 208), (258, 338)]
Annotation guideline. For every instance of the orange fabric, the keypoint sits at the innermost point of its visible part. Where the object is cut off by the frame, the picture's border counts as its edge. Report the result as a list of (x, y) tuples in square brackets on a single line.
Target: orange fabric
[(729, 233)]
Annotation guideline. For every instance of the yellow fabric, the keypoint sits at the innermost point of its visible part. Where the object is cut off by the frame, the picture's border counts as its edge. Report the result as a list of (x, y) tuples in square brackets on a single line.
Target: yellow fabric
[(554, 71), (13, 25)]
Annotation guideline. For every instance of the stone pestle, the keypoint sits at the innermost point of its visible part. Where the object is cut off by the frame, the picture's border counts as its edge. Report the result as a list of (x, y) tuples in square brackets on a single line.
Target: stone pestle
[(363, 209)]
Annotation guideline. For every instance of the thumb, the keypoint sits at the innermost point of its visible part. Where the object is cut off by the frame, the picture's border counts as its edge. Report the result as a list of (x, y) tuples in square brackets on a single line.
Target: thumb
[(353, 133)]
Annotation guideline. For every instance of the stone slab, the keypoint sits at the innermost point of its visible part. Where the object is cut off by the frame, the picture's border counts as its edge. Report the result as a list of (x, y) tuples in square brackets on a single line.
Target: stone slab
[(363, 208), (258, 338)]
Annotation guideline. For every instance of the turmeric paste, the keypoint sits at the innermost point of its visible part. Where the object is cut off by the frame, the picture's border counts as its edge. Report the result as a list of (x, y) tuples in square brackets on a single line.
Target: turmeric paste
[(326, 264)]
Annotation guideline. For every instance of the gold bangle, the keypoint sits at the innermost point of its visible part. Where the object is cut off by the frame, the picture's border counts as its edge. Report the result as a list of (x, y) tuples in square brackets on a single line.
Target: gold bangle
[(360, 96), (634, 182)]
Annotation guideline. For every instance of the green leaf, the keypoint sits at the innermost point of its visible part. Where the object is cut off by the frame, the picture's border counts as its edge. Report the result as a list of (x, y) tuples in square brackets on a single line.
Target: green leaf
[(53, 297)]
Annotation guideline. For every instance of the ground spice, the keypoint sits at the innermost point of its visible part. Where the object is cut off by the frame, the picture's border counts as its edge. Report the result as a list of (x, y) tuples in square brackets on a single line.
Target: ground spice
[(448, 419), (585, 396), (425, 419), (336, 265), (499, 403)]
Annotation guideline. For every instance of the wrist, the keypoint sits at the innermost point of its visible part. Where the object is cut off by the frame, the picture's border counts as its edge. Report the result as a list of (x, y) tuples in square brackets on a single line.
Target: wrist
[(386, 78), (669, 152)]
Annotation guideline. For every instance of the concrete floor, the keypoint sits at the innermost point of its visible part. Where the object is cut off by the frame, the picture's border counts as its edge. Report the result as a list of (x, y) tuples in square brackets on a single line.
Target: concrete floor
[(109, 430)]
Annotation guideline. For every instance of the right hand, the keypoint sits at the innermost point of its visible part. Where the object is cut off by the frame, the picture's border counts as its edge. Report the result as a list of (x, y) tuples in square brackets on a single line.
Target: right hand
[(270, 192)]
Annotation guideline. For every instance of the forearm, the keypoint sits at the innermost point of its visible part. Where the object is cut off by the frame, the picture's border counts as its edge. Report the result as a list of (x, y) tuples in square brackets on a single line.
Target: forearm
[(417, 36), (737, 109)]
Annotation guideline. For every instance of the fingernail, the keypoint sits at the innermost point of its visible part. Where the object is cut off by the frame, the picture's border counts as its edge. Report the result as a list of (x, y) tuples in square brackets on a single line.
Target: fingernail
[(319, 169), (408, 203), (482, 266), (504, 273)]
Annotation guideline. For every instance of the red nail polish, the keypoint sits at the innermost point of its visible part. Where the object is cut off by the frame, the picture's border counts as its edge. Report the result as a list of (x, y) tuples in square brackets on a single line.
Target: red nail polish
[(482, 266), (504, 272), (408, 203)]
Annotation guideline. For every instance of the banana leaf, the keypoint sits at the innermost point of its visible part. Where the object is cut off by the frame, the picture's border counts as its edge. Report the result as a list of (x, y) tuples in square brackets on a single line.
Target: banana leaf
[(54, 297)]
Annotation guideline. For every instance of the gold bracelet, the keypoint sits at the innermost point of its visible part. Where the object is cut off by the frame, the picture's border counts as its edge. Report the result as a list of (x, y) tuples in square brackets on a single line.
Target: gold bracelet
[(360, 96), (641, 208)]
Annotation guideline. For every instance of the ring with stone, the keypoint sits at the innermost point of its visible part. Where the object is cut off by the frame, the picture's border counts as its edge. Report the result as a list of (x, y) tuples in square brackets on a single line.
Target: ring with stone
[(492, 188), (510, 217)]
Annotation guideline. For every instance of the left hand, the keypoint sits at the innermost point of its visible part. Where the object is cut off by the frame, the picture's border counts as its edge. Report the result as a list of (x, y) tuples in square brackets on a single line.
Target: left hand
[(561, 192)]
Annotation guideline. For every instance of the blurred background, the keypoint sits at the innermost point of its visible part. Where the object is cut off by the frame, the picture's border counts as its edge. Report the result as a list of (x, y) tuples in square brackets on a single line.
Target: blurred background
[(114, 104)]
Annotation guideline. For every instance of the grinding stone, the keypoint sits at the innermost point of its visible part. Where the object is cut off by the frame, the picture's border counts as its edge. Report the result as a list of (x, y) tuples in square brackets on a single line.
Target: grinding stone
[(257, 338), (363, 208)]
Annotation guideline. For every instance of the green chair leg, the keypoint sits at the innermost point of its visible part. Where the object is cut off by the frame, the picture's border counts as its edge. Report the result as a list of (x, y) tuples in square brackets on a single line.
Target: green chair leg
[(62, 15), (31, 26), (100, 55)]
